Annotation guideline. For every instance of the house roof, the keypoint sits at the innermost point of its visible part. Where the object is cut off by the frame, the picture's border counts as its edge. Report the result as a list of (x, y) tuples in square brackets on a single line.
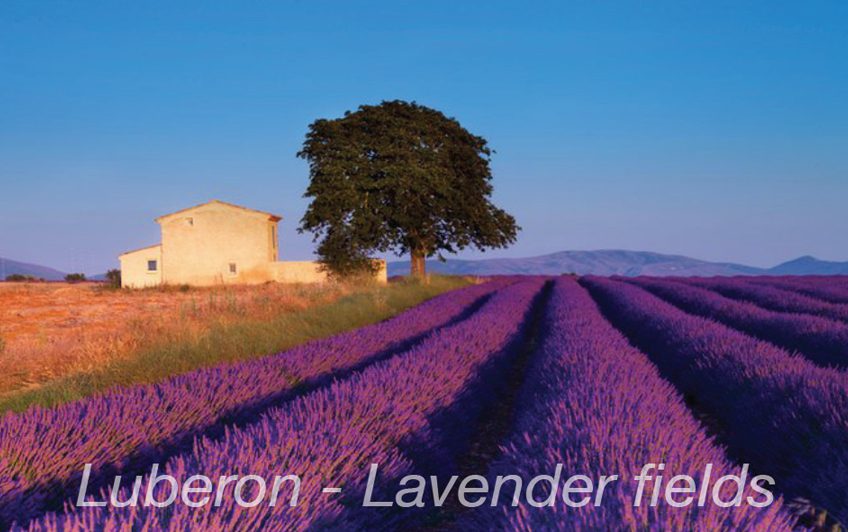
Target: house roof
[(139, 249), (271, 216)]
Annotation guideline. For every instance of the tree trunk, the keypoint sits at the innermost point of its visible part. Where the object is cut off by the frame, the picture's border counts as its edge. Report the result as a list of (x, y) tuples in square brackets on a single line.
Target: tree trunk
[(416, 265)]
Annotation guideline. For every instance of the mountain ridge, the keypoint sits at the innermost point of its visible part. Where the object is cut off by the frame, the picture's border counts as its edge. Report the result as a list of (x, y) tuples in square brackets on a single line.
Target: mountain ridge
[(621, 262), (12, 267)]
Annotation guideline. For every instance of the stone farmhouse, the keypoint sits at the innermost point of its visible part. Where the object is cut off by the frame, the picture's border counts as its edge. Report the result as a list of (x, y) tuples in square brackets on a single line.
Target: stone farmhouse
[(217, 243)]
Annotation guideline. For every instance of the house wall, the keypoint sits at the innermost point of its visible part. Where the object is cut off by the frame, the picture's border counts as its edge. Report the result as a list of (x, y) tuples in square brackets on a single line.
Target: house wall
[(310, 272), (296, 272), (382, 273), (134, 271), (199, 245)]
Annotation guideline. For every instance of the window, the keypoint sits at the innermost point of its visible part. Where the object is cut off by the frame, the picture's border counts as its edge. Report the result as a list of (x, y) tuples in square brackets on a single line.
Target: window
[(233, 269), (189, 221), (152, 265)]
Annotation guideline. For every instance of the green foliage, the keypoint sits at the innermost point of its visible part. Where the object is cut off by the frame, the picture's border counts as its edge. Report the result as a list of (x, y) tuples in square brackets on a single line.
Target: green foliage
[(398, 177), (75, 277), (19, 277), (113, 278)]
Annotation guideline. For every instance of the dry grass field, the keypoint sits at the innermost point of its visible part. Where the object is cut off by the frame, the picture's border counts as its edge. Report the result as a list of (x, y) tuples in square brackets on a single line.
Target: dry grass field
[(60, 342), (50, 330)]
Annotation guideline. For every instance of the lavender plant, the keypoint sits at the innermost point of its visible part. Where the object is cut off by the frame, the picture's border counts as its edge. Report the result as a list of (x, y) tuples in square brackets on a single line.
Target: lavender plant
[(821, 340), (775, 410)]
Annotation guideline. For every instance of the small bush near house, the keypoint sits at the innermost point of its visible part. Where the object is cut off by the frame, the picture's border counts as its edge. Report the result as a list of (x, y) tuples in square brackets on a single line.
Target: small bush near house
[(113, 278)]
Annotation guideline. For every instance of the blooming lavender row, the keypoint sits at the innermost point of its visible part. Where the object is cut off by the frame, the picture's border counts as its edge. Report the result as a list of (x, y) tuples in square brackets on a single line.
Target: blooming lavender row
[(822, 340), (838, 280), (777, 411), (832, 289), (597, 404), (771, 297), (42, 450), (330, 436)]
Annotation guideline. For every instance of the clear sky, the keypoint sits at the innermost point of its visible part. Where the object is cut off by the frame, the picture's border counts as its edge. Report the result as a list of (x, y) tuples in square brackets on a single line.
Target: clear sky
[(713, 129)]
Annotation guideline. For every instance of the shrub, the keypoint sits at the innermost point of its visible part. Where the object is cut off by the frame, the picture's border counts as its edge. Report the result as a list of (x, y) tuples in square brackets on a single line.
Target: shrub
[(75, 277), (19, 277), (113, 278)]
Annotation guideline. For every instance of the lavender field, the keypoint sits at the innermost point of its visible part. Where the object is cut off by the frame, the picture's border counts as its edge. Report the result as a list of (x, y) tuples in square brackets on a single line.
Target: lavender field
[(481, 389)]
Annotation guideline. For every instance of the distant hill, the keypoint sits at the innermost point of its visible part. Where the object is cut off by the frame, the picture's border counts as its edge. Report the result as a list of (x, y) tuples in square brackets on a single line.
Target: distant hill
[(808, 265), (9, 267), (619, 262)]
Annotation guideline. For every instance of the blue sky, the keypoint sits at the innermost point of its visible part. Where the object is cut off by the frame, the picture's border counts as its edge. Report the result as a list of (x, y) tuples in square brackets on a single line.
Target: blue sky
[(713, 129)]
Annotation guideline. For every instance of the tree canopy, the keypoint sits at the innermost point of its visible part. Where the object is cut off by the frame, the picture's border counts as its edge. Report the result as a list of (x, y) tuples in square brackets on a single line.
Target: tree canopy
[(403, 178)]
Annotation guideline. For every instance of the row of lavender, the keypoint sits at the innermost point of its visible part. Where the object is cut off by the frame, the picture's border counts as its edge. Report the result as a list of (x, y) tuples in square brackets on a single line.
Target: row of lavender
[(773, 297), (829, 288), (597, 404), (778, 411), (329, 436), (822, 340), (42, 450)]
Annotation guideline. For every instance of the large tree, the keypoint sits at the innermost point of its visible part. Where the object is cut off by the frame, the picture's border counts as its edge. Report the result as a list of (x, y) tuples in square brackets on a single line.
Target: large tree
[(399, 177)]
